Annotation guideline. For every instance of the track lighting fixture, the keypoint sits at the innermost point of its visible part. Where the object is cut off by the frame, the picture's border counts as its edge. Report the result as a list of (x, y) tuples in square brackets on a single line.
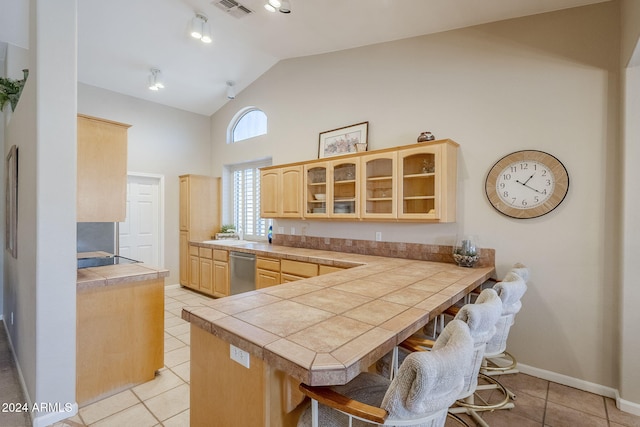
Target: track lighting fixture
[(200, 28), (155, 80), (283, 6), (231, 92)]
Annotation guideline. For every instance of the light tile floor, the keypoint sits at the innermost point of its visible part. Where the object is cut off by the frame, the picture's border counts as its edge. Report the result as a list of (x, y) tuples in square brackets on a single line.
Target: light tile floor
[(165, 400)]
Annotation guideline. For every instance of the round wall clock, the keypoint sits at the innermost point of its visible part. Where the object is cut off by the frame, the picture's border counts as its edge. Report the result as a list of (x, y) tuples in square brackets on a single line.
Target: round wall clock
[(527, 184)]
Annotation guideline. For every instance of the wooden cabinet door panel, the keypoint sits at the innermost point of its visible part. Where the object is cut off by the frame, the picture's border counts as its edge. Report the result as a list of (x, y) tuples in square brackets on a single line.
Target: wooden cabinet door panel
[(266, 278), (221, 279), (102, 170), (206, 275)]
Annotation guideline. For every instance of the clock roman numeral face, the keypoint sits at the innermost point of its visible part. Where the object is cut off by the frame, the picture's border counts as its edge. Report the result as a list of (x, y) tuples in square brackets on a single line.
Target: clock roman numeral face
[(525, 184)]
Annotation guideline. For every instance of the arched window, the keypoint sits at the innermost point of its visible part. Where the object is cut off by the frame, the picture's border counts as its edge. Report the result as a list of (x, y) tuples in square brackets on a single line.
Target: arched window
[(247, 123)]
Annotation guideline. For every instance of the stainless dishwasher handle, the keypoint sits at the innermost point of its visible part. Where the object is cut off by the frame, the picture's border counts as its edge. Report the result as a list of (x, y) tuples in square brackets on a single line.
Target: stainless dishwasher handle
[(242, 255)]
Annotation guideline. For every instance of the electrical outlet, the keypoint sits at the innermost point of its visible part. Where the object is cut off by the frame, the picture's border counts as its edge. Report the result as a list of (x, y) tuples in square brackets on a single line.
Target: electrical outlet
[(378, 236), (238, 355), (280, 230), (293, 231)]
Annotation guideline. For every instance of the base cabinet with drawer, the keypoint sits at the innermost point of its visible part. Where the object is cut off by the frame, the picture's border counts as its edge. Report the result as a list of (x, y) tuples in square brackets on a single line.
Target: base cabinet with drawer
[(209, 271), (206, 270), (291, 271), (267, 272), (221, 287)]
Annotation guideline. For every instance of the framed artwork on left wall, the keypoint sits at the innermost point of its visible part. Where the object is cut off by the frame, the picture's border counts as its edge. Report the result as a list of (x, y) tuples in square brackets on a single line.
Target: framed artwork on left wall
[(11, 202)]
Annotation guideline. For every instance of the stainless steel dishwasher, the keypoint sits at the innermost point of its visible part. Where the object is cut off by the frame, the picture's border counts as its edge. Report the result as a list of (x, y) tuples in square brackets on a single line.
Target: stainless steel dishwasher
[(243, 272)]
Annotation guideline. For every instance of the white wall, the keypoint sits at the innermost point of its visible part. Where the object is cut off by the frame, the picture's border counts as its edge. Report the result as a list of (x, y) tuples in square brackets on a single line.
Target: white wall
[(163, 141), (548, 82), (629, 373), (40, 288)]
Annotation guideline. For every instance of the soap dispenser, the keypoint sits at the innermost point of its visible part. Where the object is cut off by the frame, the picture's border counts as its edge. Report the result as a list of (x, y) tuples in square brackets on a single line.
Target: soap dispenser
[(270, 233)]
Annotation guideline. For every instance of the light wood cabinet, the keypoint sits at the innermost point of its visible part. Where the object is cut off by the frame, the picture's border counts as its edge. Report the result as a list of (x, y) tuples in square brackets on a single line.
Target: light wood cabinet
[(120, 337), (281, 192), (345, 191), (331, 189), (194, 268), (410, 183), (316, 190), (209, 271), (221, 283), (199, 218), (378, 186), (267, 272), (184, 257), (102, 170), (296, 270), (427, 181), (206, 270), (326, 269)]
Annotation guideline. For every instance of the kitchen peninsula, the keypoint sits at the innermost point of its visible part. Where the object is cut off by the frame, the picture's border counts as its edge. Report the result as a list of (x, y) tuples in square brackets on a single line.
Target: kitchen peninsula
[(249, 352), (120, 328)]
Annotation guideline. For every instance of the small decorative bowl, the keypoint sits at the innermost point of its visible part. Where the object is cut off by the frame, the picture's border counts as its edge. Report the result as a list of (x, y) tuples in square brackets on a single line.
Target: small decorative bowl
[(465, 260), (320, 196)]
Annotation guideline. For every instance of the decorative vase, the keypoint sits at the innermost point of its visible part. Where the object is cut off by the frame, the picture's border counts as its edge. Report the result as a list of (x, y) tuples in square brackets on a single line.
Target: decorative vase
[(361, 146), (466, 251), (426, 136)]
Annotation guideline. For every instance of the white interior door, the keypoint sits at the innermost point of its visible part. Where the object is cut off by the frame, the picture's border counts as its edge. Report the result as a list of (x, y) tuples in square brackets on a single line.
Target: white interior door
[(140, 235)]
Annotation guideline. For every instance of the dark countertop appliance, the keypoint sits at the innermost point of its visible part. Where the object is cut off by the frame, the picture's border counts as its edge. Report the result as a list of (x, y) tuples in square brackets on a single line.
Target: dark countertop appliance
[(103, 261)]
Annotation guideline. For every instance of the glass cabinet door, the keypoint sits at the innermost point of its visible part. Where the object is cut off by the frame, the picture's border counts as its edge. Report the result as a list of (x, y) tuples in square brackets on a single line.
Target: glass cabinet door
[(419, 186), (316, 190), (345, 188), (378, 186)]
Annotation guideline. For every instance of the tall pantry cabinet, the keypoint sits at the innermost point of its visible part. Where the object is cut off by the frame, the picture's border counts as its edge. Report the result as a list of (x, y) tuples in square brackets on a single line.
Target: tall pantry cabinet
[(199, 215)]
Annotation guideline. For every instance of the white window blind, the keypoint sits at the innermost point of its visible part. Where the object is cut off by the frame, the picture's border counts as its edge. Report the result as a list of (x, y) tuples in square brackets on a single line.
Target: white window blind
[(243, 198)]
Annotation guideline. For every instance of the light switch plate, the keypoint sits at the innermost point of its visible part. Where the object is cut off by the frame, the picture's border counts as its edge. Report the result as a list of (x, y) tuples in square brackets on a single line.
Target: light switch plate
[(238, 355)]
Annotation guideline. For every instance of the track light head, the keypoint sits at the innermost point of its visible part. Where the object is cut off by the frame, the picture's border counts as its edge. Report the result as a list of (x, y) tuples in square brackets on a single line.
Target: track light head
[(155, 80), (231, 92), (283, 6), (200, 28)]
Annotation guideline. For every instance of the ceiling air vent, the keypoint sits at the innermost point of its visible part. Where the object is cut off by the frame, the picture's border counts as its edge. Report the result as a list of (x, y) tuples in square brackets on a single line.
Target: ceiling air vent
[(233, 8)]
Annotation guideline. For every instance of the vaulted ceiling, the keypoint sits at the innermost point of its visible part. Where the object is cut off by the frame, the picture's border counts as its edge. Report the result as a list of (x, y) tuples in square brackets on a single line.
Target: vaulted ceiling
[(119, 41)]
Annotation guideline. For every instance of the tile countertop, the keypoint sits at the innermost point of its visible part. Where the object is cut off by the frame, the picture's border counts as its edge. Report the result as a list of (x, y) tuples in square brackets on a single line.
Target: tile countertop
[(92, 277), (327, 329)]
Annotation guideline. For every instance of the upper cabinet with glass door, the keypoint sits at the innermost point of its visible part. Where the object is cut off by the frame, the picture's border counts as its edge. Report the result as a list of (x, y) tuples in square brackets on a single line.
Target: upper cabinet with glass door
[(316, 190), (345, 191), (427, 182), (414, 182), (378, 186)]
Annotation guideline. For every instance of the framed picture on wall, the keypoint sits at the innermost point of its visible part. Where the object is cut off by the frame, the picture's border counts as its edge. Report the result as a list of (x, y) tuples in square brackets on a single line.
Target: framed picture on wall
[(348, 139), (11, 202)]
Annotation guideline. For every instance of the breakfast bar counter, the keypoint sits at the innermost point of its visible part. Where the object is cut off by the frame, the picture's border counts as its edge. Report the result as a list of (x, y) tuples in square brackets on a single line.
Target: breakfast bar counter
[(256, 347)]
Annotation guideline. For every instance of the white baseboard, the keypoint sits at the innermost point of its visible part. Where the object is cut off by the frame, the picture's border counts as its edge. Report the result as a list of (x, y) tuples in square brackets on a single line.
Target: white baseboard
[(50, 418), (627, 406), (623, 405), (568, 381), (172, 286)]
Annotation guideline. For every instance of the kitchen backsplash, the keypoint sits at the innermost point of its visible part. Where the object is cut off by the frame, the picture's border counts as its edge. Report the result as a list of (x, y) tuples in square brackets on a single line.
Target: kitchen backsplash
[(417, 251)]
